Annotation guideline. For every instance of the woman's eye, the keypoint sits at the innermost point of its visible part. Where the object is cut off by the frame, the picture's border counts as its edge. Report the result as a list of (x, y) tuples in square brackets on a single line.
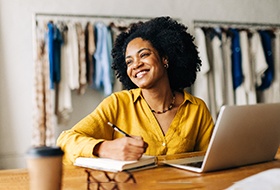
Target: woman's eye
[(144, 55), (128, 62)]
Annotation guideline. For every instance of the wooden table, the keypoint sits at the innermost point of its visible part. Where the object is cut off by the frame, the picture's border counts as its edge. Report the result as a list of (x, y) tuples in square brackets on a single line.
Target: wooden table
[(162, 177)]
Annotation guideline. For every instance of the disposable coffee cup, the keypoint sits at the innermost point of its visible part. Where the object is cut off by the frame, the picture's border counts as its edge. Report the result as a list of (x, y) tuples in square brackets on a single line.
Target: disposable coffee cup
[(44, 167)]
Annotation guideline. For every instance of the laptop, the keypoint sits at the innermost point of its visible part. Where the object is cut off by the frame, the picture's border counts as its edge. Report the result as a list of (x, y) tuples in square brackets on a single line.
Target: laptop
[(243, 135)]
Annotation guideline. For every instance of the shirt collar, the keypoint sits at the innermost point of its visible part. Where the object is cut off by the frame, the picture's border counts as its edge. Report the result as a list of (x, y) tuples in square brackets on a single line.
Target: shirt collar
[(136, 93), (189, 98)]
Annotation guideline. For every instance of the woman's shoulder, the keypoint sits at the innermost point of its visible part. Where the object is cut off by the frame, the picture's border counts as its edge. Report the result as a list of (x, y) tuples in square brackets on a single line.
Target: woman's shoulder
[(193, 99), (197, 102), (125, 95)]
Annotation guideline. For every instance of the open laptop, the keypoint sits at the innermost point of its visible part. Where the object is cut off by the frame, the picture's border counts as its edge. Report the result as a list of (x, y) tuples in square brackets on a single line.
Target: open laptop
[(243, 135)]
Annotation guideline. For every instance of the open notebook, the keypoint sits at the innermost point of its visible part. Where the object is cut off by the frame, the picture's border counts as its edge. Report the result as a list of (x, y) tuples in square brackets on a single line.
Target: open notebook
[(242, 135), (111, 165)]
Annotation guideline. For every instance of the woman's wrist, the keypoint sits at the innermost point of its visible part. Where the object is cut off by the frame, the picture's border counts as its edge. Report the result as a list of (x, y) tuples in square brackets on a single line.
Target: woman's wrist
[(96, 149)]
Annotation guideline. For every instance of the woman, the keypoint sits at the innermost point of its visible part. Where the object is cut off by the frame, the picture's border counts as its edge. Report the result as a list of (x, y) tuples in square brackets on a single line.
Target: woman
[(155, 61)]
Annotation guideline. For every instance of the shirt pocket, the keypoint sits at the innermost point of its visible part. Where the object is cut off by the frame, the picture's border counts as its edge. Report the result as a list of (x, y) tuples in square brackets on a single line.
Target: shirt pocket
[(180, 145)]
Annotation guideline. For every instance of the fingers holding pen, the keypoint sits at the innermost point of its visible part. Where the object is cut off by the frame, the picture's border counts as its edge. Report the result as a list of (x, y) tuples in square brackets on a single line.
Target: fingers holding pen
[(140, 142), (133, 148), (125, 148), (129, 147)]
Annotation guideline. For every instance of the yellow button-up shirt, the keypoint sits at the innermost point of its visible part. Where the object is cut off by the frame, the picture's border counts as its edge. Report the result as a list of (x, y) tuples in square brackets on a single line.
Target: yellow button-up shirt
[(189, 131)]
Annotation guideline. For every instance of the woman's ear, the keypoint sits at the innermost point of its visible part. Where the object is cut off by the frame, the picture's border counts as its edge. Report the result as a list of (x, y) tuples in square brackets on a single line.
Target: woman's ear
[(165, 60)]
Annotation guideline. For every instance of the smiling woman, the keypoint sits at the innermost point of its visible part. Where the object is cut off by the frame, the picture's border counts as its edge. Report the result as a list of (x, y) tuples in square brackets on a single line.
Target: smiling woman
[(155, 61)]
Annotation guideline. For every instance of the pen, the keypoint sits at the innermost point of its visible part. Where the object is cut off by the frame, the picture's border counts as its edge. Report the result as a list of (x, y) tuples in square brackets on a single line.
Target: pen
[(118, 129)]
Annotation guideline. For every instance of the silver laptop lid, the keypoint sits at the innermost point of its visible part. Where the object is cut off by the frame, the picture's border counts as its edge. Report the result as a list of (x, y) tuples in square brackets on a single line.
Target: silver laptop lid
[(243, 135)]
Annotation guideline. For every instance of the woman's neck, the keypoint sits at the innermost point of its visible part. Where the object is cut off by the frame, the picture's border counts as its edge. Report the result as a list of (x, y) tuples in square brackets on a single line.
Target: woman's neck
[(159, 100)]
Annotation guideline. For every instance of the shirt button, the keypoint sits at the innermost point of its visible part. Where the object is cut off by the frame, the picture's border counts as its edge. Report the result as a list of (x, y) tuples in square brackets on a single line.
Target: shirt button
[(163, 144)]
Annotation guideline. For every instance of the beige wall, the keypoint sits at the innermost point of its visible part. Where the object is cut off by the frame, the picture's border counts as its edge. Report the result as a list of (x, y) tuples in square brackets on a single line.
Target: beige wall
[(16, 58)]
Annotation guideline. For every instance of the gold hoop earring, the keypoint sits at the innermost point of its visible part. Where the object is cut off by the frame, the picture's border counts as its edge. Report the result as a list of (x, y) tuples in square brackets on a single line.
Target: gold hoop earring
[(166, 65)]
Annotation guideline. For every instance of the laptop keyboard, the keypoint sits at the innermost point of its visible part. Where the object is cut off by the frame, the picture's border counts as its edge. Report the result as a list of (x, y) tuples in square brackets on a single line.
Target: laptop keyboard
[(194, 164)]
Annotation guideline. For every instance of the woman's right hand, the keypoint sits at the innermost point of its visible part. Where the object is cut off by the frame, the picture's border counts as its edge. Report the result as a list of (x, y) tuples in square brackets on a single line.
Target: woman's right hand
[(125, 148)]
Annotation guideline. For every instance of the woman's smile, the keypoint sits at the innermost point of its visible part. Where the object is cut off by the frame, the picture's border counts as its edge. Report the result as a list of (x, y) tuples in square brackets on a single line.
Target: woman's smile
[(141, 74)]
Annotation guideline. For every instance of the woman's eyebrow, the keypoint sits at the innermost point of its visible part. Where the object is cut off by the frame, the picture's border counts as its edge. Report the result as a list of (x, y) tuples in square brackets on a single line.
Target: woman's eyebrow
[(139, 51)]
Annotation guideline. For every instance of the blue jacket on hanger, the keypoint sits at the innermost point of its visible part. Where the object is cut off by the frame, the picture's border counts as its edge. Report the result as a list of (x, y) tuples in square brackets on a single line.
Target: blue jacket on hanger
[(102, 75), (237, 75), (54, 47), (267, 46)]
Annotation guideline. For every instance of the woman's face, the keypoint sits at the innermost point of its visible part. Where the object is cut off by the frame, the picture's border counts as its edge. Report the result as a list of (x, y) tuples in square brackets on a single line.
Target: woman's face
[(145, 68)]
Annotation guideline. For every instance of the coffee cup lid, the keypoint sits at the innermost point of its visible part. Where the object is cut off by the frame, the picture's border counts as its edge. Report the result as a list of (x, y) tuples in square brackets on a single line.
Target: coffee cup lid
[(45, 151)]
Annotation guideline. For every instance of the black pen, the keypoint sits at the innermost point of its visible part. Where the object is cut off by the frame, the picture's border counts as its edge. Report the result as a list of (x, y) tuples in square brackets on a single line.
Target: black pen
[(118, 129)]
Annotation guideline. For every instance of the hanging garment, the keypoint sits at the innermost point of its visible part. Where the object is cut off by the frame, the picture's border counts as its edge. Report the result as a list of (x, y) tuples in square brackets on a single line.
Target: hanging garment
[(102, 75), (237, 74), (90, 49), (272, 93), (257, 58), (264, 90), (226, 51), (267, 46), (82, 59), (109, 49), (276, 81), (116, 30), (54, 48), (73, 53), (247, 93), (248, 69), (200, 87), (44, 118), (64, 92), (218, 70), (208, 37)]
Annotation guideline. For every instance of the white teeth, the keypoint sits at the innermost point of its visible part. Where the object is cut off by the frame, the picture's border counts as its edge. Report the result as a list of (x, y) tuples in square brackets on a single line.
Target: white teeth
[(140, 74)]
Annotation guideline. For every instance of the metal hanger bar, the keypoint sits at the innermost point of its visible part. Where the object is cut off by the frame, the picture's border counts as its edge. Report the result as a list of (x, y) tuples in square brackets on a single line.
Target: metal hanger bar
[(238, 24), (89, 16)]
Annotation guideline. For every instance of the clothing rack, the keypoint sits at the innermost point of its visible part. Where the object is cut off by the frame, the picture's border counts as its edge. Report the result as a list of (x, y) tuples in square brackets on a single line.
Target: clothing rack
[(107, 19), (45, 130), (209, 23)]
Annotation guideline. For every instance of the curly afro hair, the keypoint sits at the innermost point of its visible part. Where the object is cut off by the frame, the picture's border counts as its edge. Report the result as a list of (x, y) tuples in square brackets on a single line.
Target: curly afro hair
[(171, 40)]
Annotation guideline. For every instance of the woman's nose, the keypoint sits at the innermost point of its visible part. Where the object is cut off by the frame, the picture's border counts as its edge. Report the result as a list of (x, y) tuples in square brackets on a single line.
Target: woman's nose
[(138, 63)]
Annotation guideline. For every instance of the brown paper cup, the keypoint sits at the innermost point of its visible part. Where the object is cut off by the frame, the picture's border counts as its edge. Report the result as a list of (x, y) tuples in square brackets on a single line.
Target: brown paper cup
[(45, 168)]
